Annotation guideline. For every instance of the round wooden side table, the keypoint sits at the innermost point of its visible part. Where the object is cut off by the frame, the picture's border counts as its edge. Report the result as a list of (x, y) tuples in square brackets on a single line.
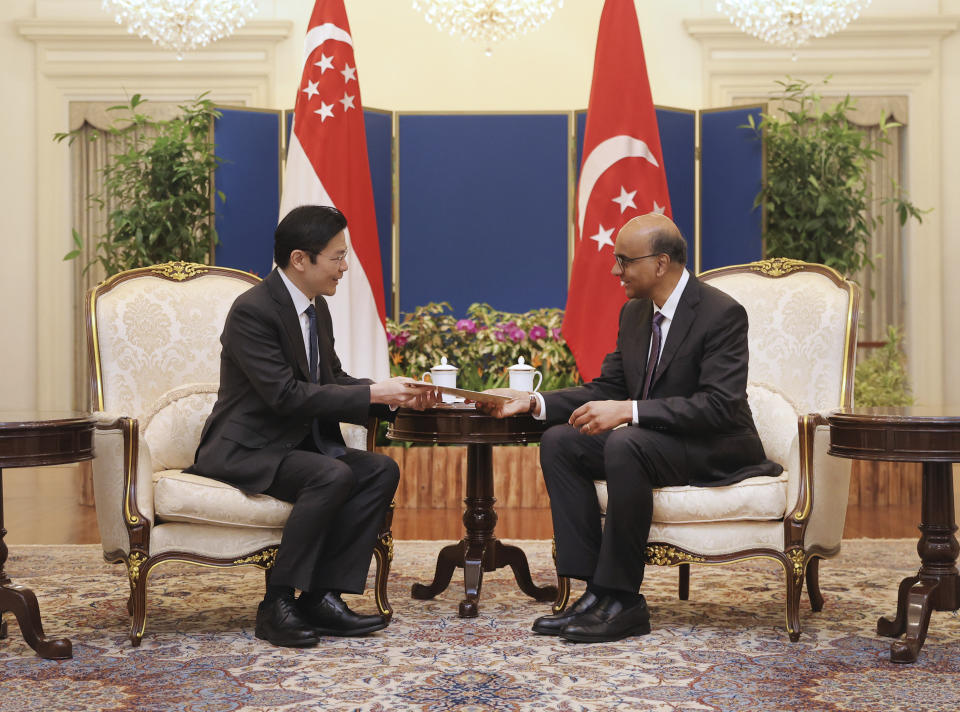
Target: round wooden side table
[(930, 435), (479, 550), (31, 439)]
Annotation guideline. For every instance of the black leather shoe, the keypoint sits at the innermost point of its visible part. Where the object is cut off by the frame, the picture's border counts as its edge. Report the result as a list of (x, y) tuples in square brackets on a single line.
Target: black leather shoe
[(329, 615), (554, 624), (280, 622), (609, 620)]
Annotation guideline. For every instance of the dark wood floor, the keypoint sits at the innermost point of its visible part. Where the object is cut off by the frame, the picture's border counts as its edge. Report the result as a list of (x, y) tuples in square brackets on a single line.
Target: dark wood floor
[(40, 507)]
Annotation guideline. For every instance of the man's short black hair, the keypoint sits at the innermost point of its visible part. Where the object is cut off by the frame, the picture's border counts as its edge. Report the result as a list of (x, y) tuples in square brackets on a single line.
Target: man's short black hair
[(308, 228), (670, 243)]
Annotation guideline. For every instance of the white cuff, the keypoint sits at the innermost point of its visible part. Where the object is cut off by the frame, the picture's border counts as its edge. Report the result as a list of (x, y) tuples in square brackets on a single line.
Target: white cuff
[(636, 415), (543, 407)]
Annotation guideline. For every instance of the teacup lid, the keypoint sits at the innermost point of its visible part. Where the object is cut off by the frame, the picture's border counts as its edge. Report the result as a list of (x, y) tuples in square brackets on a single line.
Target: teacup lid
[(443, 366), (520, 366)]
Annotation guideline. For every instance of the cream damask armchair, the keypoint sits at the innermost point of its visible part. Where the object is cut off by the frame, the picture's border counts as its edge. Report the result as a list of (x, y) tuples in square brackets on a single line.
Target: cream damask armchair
[(153, 336), (803, 327)]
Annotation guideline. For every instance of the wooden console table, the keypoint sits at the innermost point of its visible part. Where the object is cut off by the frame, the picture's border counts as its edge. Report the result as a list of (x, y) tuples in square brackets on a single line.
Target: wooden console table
[(930, 435), (28, 440), (479, 550)]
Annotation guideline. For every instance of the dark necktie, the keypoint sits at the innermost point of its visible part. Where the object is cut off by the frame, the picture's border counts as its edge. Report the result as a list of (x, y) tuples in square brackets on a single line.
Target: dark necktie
[(325, 445), (654, 353)]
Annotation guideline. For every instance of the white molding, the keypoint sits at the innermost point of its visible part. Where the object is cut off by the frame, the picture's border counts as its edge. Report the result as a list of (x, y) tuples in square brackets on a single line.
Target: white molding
[(879, 56), (84, 60)]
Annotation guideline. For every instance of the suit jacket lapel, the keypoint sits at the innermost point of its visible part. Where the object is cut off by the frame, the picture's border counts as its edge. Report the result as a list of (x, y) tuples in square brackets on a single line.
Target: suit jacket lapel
[(683, 319), (289, 319)]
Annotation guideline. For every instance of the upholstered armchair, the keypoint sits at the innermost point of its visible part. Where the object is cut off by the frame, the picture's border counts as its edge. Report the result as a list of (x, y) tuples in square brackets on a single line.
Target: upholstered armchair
[(153, 336), (803, 326)]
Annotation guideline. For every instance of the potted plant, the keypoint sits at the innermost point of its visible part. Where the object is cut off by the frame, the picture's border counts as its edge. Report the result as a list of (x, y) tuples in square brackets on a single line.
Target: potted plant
[(816, 193), (162, 186)]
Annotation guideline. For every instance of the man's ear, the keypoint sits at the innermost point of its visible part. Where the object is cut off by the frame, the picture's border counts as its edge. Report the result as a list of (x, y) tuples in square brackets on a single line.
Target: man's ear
[(297, 258)]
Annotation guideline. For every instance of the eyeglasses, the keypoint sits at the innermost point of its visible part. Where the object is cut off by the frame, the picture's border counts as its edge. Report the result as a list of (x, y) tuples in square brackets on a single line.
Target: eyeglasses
[(340, 258), (622, 261)]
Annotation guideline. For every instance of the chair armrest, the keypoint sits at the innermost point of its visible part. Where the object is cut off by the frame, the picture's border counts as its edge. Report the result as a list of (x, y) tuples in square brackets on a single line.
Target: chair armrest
[(820, 514), (122, 484)]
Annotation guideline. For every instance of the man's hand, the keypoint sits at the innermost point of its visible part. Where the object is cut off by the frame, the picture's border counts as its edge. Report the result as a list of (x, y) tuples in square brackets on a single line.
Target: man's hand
[(598, 417), (519, 403), (394, 392)]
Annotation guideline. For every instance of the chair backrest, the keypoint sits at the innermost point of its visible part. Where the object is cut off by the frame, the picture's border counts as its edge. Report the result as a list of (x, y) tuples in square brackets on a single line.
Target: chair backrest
[(803, 328), (154, 329)]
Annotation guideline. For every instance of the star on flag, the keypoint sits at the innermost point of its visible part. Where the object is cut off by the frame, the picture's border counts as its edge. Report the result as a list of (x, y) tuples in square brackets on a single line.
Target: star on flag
[(347, 101), (603, 238), (349, 73), (325, 111), (325, 63), (625, 200), (311, 90)]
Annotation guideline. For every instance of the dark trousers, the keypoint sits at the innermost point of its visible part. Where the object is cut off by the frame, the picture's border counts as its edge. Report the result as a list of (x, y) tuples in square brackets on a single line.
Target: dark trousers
[(339, 505), (633, 461)]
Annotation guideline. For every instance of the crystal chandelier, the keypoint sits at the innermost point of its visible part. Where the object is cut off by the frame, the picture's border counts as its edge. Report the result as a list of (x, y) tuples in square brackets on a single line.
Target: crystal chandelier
[(791, 23), (181, 25), (487, 21)]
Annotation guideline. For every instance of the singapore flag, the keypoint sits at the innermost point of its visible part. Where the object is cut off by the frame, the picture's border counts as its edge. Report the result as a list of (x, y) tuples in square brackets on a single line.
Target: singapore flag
[(622, 176), (327, 165)]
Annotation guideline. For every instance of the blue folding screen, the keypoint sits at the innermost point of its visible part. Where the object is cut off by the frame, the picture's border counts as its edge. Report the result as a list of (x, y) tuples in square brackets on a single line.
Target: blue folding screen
[(677, 129), (248, 142), (484, 198), (483, 212), (731, 173)]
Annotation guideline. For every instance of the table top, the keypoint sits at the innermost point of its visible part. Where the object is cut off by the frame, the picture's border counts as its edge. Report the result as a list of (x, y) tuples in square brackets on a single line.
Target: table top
[(13, 419), (903, 434), (33, 438), (459, 423), (889, 415)]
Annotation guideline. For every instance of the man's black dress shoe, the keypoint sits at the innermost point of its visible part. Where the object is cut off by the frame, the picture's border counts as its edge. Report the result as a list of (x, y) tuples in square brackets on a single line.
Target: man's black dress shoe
[(329, 615), (609, 620), (280, 622), (554, 624)]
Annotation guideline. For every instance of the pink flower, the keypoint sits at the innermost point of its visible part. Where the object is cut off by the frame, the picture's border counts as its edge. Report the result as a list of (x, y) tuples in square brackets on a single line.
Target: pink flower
[(537, 332), (517, 334), (402, 338), (468, 325), (556, 333), (390, 337)]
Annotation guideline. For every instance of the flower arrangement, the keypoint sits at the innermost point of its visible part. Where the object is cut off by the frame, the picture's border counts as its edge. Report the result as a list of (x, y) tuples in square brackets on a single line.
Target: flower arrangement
[(482, 345)]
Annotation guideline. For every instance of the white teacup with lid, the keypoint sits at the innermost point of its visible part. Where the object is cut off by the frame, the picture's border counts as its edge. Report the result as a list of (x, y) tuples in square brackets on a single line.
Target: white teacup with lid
[(443, 374), (522, 376)]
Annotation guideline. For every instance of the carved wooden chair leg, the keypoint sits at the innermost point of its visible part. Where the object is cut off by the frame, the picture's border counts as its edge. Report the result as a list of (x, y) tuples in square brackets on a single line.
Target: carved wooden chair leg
[(563, 586), (813, 584), (793, 573), (383, 553), (138, 572), (684, 582)]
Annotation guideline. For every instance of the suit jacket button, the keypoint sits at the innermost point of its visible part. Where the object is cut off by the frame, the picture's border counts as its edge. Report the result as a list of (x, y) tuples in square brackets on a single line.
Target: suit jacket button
[(288, 445)]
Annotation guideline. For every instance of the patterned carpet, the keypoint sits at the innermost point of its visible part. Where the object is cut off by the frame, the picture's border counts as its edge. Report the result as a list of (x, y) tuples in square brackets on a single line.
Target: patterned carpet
[(725, 649)]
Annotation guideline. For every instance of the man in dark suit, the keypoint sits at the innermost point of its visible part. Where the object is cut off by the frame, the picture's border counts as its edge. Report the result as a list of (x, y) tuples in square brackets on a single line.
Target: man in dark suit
[(677, 380), (275, 429)]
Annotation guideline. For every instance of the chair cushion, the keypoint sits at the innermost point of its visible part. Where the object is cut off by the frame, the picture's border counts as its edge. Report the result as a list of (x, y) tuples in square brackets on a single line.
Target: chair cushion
[(181, 497), (753, 499), (776, 421), (172, 426)]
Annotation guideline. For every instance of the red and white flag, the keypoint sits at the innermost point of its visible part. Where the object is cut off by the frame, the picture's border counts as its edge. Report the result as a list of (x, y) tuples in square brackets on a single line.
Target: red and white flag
[(327, 165), (622, 176)]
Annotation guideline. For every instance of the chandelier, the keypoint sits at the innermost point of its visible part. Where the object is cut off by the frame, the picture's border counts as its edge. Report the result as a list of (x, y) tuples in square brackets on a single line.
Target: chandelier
[(181, 25), (791, 23), (487, 21)]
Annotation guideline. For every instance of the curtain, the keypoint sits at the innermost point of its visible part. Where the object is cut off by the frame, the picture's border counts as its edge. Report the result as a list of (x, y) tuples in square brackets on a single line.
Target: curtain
[(883, 297)]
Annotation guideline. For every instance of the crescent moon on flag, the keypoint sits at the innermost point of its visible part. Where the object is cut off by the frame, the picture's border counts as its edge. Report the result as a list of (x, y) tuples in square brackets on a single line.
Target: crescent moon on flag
[(320, 34), (600, 159)]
